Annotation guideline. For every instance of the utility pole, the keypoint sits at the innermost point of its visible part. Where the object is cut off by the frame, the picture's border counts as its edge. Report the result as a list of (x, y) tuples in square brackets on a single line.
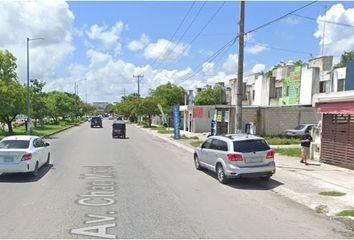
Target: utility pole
[(138, 77), (124, 92), (239, 82), (324, 32), (29, 129), (28, 92)]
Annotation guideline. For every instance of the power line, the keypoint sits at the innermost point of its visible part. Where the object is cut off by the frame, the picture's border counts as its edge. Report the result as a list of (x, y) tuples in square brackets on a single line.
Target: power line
[(279, 18), (232, 41), (177, 29), (199, 67), (138, 77), (186, 30), (200, 32), (326, 21), (280, 49)]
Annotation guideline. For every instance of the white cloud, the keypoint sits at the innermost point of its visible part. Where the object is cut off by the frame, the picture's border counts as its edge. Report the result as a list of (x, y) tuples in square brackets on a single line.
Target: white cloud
[(107, 77), (256, 48), (206, 52), (140, 44), (109, 38), (208, 67), (51, 20), (98, 59), (165, 50), (291, 20), (230, 64), (258, 68), (337, 38)]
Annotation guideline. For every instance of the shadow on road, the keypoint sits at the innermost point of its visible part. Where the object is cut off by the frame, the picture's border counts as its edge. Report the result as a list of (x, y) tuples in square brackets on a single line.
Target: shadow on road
[(248, 183), (51, 137), (25, 177), (294, 169), (122, 138)]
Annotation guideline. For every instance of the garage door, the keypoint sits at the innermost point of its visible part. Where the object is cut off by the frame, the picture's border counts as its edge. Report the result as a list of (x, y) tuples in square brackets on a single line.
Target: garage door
[(337, 142)]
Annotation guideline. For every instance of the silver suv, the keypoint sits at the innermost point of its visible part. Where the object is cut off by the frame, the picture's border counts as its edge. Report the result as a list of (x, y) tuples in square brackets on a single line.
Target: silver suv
[(236, 155)]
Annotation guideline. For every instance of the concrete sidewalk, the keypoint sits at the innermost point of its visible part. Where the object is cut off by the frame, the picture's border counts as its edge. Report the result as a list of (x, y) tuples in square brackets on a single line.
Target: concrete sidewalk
[(302, 183)]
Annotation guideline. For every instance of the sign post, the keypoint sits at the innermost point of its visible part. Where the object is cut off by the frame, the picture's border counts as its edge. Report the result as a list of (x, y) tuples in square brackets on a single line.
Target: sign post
[(176, 117)]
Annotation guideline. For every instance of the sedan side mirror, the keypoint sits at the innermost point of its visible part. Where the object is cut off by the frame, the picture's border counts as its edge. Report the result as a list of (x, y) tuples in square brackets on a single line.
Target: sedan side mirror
[(47, 144)]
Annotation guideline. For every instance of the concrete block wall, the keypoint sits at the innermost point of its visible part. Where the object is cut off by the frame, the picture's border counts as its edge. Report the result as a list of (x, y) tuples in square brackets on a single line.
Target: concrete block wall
[(275, 120)]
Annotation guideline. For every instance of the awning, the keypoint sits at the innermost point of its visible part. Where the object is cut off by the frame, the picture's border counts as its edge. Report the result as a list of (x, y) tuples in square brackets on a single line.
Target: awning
[(336, 108)]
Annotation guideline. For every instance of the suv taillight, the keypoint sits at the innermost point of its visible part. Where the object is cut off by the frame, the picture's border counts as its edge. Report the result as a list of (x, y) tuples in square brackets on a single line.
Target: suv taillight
[(270, 154), (234, 157), (26, 157)]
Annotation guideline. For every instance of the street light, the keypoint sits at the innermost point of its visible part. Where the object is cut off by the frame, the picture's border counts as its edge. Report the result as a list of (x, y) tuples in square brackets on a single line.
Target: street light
[(77, 91), (29, 130), (77, 88)]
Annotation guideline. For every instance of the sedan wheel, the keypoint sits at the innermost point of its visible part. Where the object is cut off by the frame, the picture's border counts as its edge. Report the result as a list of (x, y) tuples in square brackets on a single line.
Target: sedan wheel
[(196, 163), (48, 160), (221, 174), (35, 171)]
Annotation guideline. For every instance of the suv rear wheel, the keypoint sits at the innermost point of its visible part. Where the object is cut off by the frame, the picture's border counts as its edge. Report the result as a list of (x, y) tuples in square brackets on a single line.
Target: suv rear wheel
[(220, 174), (196, 162)]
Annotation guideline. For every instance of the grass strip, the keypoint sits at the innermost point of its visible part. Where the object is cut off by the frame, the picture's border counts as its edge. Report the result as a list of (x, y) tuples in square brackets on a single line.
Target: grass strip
[(332, 193), (346, 213), (281, 140), (196, 143), (291, 152)]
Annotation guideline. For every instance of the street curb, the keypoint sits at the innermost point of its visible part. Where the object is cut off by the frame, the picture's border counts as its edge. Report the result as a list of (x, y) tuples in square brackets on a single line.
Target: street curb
[(59, 131), (281, 190), (189, 149)]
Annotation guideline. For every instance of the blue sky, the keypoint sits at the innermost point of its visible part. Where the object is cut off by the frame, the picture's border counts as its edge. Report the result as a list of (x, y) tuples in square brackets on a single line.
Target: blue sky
[(160, 20), (102, 44)]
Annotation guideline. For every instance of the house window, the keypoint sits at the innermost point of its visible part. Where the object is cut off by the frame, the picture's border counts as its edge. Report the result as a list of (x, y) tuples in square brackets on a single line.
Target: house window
[(278, 91), (253, 94), (340, 87), (244, 92), (322, 87)]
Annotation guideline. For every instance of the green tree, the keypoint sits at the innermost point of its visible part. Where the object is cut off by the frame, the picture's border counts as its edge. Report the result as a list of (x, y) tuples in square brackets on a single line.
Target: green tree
[(169, 95), (110, 108), (128, 107), (60, 104), (211, 96), (38, 105), (12, 94), (148, 107), (345, 58)]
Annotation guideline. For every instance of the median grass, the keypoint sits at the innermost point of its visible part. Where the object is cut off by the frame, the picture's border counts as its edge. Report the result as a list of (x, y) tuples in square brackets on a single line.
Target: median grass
[(39, 131), (332, 194), (282, 140), (346, 213), (291, 152)]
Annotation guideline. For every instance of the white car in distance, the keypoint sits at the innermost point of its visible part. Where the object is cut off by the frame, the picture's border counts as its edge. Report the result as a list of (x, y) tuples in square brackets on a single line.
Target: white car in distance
[(23, 154)]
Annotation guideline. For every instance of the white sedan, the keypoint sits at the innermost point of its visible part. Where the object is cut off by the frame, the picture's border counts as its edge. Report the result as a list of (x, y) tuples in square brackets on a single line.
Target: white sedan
[(23, 154)]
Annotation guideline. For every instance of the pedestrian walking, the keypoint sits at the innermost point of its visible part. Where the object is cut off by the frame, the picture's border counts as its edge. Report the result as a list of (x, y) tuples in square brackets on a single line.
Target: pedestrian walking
[(305, 147)]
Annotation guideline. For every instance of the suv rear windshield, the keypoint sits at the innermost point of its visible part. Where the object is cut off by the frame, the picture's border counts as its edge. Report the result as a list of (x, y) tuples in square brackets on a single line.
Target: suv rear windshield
[(95, 119), (119, 126), (9, 144), (253, 145)]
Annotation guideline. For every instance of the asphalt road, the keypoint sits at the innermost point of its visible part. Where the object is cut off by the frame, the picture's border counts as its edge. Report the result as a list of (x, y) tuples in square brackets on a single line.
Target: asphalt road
[(143, 187)]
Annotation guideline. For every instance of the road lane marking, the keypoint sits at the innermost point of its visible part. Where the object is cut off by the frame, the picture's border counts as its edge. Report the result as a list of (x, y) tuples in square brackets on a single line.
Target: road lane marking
[(101, 193)]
